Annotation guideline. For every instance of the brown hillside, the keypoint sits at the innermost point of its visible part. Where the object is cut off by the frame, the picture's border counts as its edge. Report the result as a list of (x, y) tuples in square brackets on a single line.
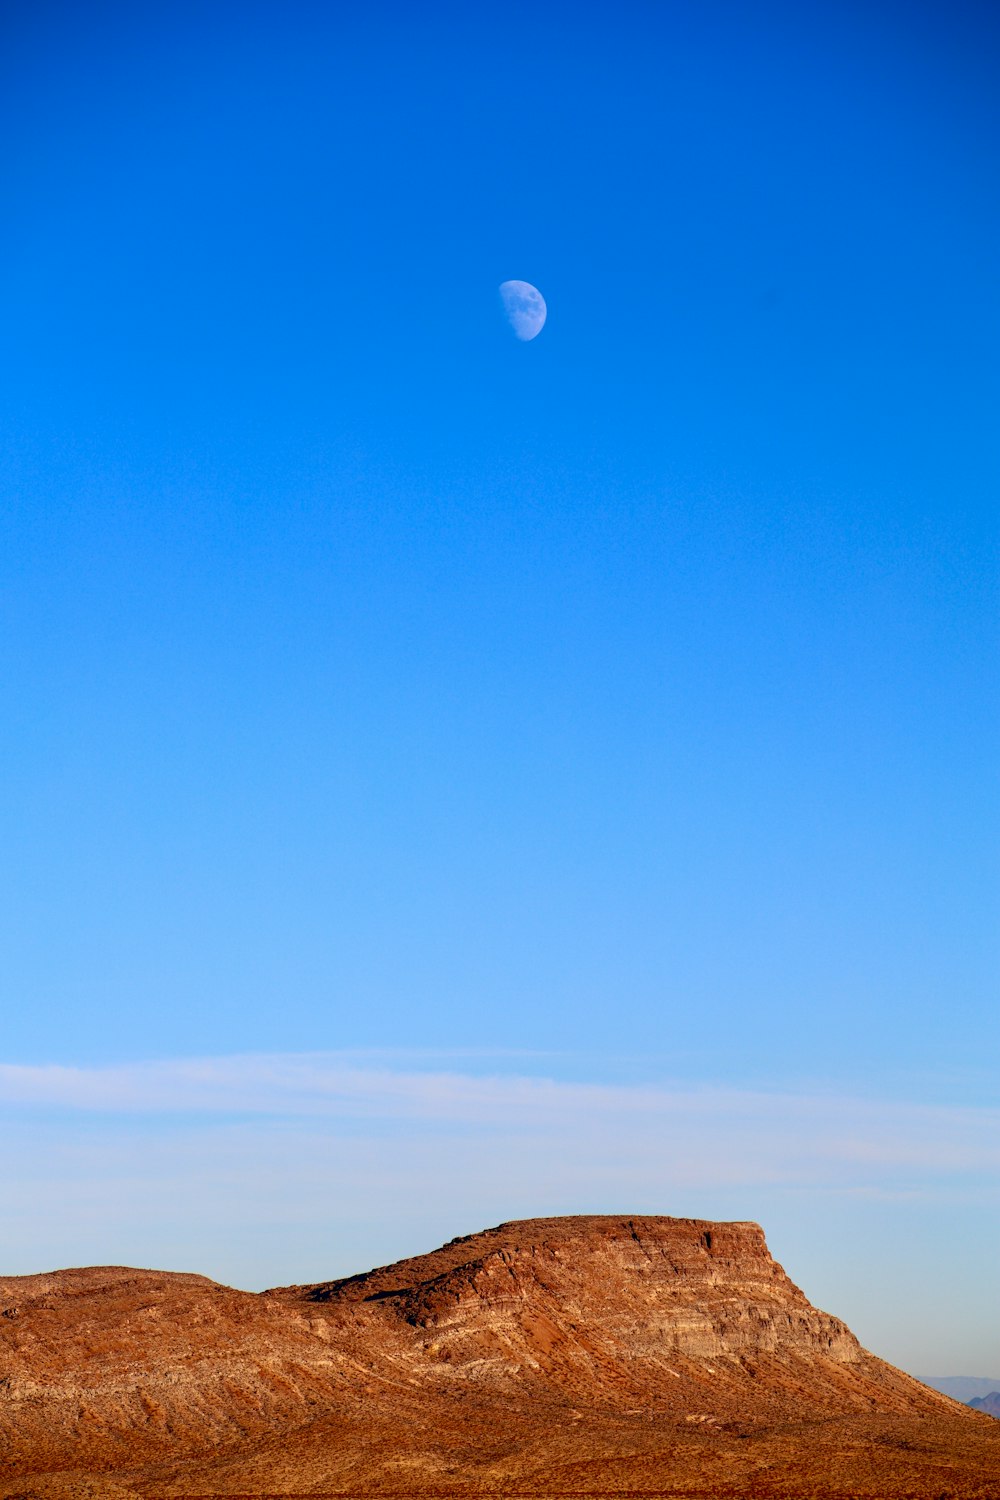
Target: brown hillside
[(581, 1355)]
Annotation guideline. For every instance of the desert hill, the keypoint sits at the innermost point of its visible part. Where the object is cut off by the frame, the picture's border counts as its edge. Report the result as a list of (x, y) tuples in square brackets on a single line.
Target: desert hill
[(585, 1355)]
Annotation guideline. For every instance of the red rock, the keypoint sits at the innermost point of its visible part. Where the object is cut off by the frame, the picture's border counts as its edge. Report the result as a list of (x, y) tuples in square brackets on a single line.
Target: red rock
[(589, 1354)]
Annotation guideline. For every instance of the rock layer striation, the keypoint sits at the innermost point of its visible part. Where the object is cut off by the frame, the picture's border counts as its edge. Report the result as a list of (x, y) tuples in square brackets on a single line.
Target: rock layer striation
[(577, 1354)]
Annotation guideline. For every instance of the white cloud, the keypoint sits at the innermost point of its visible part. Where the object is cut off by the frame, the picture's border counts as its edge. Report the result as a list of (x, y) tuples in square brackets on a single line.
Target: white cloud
[(721, 1133)]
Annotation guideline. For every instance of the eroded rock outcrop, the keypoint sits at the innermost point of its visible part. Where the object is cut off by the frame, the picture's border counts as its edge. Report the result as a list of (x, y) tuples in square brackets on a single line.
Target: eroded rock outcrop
[(549, 1354), (643, 1289)]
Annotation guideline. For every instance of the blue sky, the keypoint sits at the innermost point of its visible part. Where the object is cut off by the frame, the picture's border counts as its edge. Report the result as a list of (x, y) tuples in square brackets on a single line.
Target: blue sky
[(615, 711)]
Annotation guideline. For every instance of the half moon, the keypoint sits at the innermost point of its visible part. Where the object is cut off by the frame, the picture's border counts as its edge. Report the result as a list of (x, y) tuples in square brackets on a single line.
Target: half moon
[(525, 308)]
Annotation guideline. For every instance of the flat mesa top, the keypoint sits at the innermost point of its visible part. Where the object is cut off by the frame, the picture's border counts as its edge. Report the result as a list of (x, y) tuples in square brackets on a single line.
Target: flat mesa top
[(525, 1234)]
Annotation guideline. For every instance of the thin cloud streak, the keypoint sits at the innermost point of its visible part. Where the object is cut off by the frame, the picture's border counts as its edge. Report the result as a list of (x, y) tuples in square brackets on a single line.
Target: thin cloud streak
[(781, 1134)]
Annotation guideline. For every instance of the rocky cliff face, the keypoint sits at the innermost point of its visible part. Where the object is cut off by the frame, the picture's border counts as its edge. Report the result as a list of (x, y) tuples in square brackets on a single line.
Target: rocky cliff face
[(618, 1297), (516, 1355)]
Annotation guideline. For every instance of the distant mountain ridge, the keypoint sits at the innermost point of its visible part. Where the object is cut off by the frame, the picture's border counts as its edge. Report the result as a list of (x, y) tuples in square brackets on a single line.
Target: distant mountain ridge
[(989, 1404)]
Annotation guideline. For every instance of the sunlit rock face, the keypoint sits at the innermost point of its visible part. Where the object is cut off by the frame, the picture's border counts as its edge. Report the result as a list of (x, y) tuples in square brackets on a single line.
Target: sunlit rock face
[(584, 1353), (595, 1293)]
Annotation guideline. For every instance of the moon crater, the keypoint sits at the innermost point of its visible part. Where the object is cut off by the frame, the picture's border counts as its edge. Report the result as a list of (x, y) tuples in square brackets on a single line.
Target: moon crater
[(524, 307)]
